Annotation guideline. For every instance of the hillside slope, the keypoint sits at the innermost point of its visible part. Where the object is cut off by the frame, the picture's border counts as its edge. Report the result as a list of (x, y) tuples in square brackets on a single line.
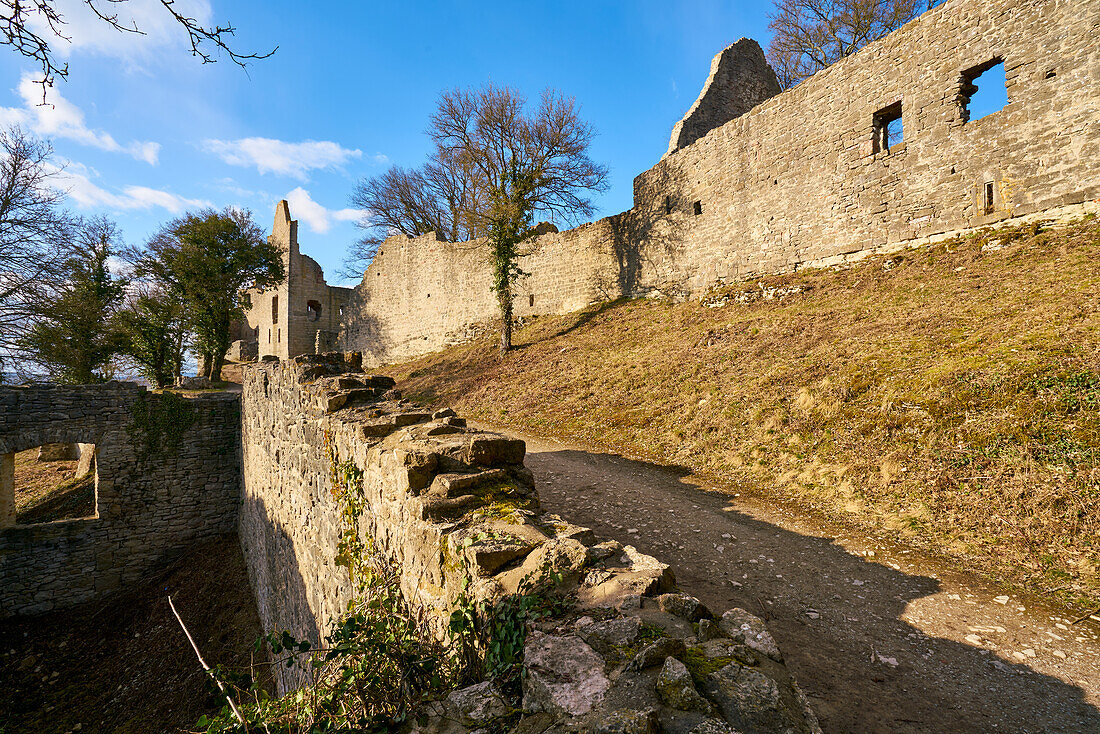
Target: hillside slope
[(950, 394)]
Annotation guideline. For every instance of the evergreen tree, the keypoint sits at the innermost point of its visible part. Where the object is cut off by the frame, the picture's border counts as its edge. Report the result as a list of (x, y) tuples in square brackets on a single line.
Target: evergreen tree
[(155, 332), (206, 260), (74, 336)]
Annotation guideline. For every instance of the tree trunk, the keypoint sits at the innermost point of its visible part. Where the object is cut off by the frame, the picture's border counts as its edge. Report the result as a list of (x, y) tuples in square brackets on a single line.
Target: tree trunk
[(216, 365), (505, 300)]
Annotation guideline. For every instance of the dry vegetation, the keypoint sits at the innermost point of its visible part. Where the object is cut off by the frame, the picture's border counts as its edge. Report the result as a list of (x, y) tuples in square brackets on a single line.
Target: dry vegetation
[(949, 394), (49, 490), (122, 664)]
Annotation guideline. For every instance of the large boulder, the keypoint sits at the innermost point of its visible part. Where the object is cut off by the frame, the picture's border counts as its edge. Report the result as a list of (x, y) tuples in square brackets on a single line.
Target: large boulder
[(750, 701), (564, 675)]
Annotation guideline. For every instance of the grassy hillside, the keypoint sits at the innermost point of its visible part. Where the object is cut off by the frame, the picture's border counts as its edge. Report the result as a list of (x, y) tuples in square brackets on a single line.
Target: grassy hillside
[(949, 394)]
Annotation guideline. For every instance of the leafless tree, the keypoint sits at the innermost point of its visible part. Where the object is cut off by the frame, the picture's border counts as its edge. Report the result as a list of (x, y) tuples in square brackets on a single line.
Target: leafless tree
[(36, 237), (437, 197), (499, 167), (17, 31), (809, 35)]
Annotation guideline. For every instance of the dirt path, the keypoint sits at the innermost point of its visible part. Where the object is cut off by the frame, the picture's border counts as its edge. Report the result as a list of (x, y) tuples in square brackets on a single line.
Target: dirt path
[(882, 638)]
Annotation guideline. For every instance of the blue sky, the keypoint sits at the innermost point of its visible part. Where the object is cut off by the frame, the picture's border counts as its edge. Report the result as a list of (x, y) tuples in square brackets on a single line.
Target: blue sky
[(146, 132)]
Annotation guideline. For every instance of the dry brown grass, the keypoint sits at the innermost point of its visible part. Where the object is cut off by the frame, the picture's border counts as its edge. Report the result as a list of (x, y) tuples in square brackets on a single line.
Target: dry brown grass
[(46, 491), (949, 395)]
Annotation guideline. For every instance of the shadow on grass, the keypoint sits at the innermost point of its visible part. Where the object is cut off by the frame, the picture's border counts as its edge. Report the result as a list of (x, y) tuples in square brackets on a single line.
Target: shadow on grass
[(579, 320), (71, 499), (837, 617)]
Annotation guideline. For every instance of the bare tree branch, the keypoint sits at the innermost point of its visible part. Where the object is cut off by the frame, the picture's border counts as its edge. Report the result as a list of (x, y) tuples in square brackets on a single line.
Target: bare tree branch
[(36, 238), (809, 35), (16, 31)]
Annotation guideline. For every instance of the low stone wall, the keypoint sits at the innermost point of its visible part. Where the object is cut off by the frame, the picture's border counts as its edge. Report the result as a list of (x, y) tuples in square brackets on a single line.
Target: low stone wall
[(168, 473), (456, 511)]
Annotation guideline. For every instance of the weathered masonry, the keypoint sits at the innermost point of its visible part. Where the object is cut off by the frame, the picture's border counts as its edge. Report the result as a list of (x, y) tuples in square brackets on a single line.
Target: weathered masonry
[(301, 316), (812, 176), (167, 474), (455, 509)]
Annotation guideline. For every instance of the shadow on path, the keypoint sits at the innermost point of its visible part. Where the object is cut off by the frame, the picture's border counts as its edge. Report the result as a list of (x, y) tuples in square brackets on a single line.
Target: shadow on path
[(842, 622)]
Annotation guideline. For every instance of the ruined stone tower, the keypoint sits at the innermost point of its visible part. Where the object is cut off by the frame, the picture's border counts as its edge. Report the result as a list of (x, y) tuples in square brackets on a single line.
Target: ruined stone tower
[(300, 316)]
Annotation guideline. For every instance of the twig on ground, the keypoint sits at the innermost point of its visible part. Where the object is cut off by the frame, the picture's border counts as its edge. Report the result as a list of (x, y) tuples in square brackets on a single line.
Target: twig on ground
[(1086, 616), (206, 667)]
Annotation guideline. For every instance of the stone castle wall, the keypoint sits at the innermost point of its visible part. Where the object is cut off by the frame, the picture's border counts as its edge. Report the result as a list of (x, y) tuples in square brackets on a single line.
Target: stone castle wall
[(150, 505), (797, 180), (302, 420), (456, 512)]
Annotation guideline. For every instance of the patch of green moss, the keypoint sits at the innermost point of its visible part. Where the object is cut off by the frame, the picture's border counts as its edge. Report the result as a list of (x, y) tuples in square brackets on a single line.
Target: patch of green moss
[(503, 509), (650, 633), (700, 666)]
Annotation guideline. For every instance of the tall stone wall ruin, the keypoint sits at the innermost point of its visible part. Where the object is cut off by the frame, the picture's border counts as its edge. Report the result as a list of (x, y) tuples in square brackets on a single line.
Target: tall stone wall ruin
[(798, 180), (300, 316)]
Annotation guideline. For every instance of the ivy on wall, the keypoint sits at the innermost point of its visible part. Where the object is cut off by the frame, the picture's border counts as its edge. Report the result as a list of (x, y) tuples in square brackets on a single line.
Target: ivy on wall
[(159, 421)]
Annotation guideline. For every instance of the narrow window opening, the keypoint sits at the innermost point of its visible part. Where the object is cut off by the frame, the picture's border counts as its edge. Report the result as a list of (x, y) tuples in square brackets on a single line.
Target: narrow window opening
[(887, 128), (274, 309), (278, 336), (313, 310), (984, 90), (668, 205), (269, 336), (697, 208), (429, 295), (531, 300), (55, 481), (987, 197)]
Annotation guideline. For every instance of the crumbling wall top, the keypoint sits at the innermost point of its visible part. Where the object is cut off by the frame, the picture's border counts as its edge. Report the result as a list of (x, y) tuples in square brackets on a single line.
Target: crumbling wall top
[(740, 78)]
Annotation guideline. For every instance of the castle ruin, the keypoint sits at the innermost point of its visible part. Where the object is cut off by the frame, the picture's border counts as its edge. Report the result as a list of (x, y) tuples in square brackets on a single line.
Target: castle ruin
[(301, 316), (875, 153)]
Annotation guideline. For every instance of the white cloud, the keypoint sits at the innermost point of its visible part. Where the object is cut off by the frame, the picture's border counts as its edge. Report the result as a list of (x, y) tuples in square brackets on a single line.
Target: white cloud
[(319, 219), (280, 157), (85, 32), (76, 180), (60, 118)]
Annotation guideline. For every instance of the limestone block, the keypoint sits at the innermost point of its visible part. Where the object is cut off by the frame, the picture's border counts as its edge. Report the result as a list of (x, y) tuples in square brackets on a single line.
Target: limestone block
[(676, 689), (750, 630), (564, 675)]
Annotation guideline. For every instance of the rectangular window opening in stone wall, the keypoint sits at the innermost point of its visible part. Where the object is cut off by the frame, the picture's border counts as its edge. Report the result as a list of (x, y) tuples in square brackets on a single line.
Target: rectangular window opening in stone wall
[(531, 300), (888, 131), (984, 90), (55, 481), (987, 197), (668, 205), (274, 309), (697, 208)]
